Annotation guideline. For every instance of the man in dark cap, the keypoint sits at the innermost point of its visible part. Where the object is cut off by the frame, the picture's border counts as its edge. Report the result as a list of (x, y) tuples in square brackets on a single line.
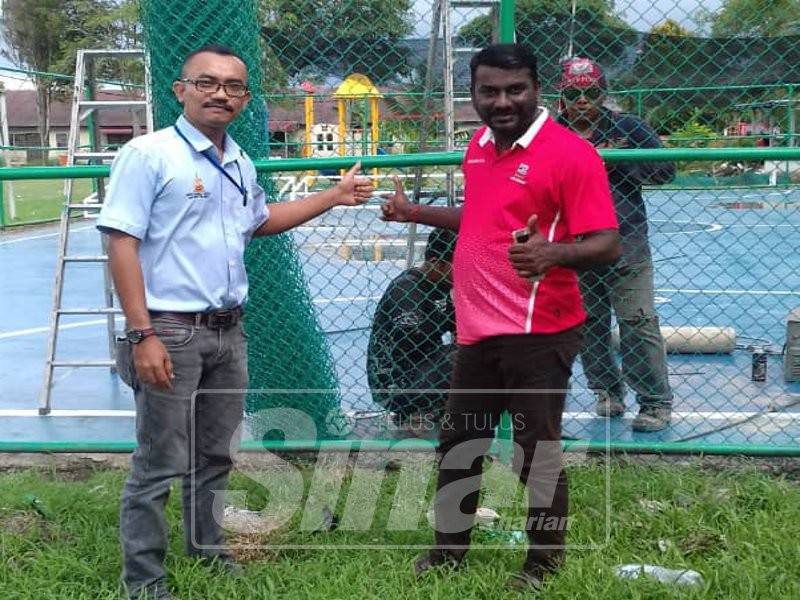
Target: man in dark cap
[(626, 287)]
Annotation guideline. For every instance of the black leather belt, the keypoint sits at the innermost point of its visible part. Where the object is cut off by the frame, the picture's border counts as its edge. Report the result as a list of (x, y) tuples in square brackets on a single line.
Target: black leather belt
[(213, 319)]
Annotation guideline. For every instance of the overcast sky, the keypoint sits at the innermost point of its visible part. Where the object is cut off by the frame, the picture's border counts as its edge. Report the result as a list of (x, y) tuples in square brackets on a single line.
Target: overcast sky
[(643, 14)]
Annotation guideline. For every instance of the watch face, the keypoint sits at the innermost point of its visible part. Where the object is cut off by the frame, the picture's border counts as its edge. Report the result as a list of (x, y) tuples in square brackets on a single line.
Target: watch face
[(134, 336)]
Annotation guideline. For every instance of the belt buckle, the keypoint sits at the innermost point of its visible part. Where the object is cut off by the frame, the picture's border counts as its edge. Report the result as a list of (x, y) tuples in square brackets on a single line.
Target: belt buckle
[(221, 319)]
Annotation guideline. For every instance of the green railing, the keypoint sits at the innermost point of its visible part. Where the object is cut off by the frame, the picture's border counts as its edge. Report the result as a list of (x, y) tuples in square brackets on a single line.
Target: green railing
[(429, 159)]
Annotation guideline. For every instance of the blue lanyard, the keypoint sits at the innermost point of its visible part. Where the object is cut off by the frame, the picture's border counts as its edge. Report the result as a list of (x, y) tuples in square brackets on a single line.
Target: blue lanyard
[(211, 157)]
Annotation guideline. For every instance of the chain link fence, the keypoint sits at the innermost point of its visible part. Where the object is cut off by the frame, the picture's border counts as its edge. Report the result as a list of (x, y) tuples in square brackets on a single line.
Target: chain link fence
[(346, 314)]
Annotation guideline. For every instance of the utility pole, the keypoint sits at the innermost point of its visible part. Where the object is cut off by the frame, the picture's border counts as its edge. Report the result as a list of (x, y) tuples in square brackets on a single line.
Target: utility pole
[(6, 142)]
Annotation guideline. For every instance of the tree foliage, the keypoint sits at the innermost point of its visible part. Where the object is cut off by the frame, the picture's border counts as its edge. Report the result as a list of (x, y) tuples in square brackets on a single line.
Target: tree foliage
[(670, 27), (547, 27), (33, 32), (44, 36), (103, 24), (753, 18), (317, 39)]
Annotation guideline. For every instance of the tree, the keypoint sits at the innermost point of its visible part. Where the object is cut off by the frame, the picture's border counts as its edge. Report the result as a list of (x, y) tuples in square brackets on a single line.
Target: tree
[(33, 32), (715, 74), (103, 24), (44, 36), (547, 26), (671, 28), (753, 18), (317, 39)]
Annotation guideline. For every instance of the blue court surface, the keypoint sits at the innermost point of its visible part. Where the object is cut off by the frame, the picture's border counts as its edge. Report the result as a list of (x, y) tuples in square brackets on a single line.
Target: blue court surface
[(723, 258)]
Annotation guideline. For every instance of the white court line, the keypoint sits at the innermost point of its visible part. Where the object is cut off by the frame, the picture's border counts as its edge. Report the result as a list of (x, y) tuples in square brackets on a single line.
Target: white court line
[(44, 235), (34, 330), (343, 299), (707, 227), (77, 413), (731, 292), (313, 228), (701, 416), (577, 416), (738, 226)]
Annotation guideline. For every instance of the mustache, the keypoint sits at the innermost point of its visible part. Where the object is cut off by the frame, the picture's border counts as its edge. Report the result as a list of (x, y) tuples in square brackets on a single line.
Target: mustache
[(222, 105)]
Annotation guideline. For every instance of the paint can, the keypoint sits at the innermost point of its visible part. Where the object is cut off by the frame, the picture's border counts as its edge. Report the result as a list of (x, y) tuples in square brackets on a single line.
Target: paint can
[(759, 370)]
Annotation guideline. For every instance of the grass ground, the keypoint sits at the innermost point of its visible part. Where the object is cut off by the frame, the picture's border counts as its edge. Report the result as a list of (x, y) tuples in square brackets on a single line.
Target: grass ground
[(739, 528), (38, 200)]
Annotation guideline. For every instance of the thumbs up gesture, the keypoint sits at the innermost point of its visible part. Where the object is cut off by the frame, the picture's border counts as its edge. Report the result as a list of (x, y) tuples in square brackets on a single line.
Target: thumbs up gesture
[(352, 189), (531, 255), (397, 207)]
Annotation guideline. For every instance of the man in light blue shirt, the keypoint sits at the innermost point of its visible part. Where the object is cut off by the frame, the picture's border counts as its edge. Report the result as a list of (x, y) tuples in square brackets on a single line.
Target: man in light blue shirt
[(182, 204)]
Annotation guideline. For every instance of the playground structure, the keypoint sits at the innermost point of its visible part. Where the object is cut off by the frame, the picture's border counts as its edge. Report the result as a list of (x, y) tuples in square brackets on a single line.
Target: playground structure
[(357, 131)]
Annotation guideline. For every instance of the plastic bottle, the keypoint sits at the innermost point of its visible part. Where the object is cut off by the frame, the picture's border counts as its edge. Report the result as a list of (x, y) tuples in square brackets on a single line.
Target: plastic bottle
[(37, 505), (489, 536), (662, 574)]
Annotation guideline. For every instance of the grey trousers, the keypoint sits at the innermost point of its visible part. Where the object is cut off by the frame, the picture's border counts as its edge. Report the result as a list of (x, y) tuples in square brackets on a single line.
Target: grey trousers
[(180, 434), (627, 289)]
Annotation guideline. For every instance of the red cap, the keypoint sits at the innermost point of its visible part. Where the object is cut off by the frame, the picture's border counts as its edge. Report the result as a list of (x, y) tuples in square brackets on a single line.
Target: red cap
[(581, 73)]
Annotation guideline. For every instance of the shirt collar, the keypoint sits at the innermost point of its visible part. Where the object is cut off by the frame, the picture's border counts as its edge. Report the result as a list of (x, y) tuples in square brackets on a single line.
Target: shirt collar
[(199, 141), (526, 138)]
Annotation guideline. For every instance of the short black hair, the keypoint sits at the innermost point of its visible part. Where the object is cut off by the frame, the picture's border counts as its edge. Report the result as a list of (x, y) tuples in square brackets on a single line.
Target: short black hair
[(213, 49), (441, 244), (505, 56)]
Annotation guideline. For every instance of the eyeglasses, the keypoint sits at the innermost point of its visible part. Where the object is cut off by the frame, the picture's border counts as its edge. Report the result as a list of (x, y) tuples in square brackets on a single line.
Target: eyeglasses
[(591, 94), (207, 86)]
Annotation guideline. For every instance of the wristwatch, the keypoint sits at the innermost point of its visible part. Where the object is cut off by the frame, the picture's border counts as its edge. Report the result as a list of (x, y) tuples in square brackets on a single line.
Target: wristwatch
[(135, 336)]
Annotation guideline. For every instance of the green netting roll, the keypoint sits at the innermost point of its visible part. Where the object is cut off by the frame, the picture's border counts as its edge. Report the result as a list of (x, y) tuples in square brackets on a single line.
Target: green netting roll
[(288, 350)]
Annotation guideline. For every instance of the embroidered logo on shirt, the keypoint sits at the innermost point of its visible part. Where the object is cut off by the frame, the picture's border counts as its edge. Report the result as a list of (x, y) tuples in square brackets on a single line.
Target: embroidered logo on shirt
[(199, 192), (522, 172), (476, 161)]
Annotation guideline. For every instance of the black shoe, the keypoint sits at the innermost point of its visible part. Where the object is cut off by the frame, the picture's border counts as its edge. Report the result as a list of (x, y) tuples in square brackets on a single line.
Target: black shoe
[(435, 559), (652, 418), (608, 406)]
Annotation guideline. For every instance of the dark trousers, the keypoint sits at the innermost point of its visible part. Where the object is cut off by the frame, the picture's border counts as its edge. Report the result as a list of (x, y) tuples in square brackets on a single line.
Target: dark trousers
[(528, 376)]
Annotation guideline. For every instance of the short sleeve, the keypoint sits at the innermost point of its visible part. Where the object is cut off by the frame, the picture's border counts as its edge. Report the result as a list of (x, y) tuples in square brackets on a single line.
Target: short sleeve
[(261, 212), (585, 194), (131, 191)]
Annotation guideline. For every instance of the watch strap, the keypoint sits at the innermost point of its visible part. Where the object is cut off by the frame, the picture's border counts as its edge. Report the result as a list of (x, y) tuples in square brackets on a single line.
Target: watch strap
[(136, 336)]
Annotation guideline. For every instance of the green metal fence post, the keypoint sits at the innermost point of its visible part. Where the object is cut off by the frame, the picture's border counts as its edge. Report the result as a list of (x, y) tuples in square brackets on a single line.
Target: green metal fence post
[(2, 205), (792, 117), (505, 430), (92, 130), (507, 23)]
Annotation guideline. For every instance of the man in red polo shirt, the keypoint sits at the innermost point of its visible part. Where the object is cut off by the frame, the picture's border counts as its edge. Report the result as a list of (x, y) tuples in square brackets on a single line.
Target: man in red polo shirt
[(518, 306)]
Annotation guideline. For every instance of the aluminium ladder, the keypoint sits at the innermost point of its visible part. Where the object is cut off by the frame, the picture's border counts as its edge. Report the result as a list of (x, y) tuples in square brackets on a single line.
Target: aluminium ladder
[(85, 104), (442, 19)]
